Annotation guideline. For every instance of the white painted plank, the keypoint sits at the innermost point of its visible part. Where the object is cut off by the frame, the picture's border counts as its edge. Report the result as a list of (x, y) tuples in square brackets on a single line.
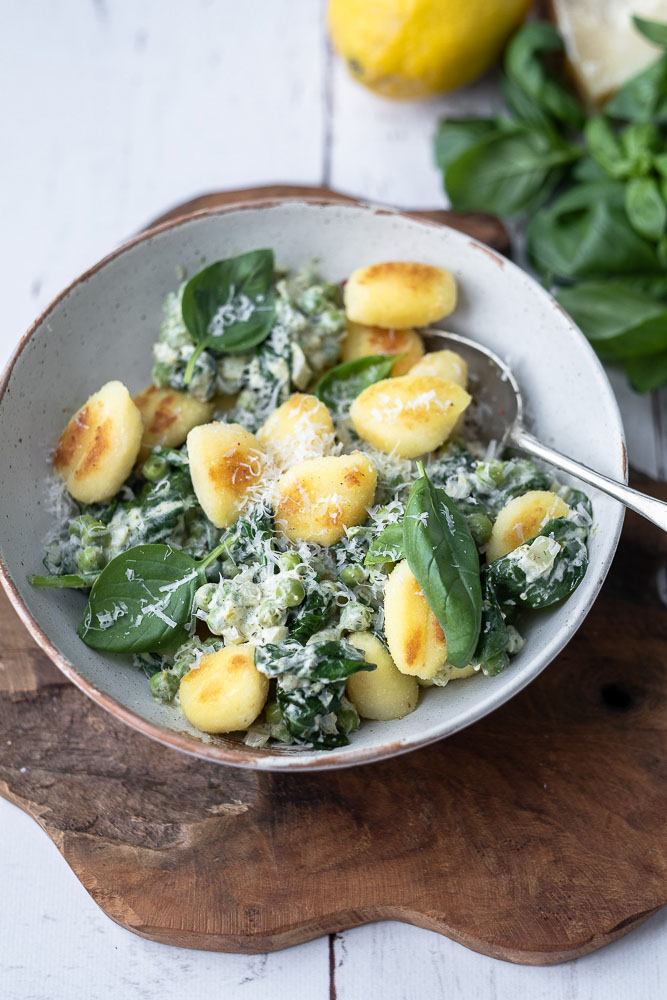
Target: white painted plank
[(397, 961), (120, 110), (56, 944)]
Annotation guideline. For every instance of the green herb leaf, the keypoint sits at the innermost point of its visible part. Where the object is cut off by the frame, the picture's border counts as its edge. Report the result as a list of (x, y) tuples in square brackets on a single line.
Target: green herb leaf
[(645, 207), (229, 306), (311, 616), (643, 97), (442, 555), (586, 234), (142, 601), (653, 30), (606, 147), (387, 547), (508, 173), (619, 321), (493, 634), (508, 577), (524, 107), (648, 372), (342, 384), (456, 135), (525, 69)]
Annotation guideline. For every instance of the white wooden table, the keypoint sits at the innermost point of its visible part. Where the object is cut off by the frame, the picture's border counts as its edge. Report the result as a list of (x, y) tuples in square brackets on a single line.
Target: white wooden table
[(113, 112)]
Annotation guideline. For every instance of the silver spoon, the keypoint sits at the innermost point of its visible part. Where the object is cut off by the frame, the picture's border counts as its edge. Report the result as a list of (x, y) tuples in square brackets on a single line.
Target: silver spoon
[(498, 394)]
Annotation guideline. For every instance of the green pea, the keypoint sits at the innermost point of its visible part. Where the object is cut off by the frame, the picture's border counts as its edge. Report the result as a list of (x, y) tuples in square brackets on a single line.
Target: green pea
[(290, 592), (289, 560), (94, 533), (312, 300), (77, 524), (491, 473), (90, 559), (348, 718), (480, 527), (268, 614), (495, 664), (154, 468), (332, 320), (355, 617), (274, 716), (350, 575), (164, 685), (204, 596)]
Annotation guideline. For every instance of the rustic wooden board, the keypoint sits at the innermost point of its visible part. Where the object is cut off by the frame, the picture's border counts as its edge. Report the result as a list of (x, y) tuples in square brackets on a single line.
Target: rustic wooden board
[(534, 836)]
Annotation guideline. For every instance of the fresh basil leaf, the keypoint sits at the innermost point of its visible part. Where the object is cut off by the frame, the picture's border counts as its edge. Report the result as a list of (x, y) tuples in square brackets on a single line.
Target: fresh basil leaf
[(230, 306), (640, 140), (660, 164), (442, 555), (588, 169), (387, 547), (645, 207), (524, 107), (606, 147), (619, 322), (342, 384), (653, 30), (647, 372), (586, 234), (76, 581), (558, 580), (456, 135), (508, 173), (142, 601), (524, 67), (643, 97)]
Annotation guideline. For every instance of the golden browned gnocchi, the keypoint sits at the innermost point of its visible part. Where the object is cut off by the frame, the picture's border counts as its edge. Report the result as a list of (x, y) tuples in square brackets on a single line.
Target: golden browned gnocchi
[(318, 499), (169, 415), (98, 448), (384, 693), (521, 519), (415, 639), (399, 294), (409, 415), (445, 364), (225, 692), (362, 341), (226, 461), (301, 426)]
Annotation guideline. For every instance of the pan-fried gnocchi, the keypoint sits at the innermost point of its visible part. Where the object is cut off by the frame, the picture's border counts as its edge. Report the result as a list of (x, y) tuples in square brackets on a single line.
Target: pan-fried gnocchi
[(292, 536)]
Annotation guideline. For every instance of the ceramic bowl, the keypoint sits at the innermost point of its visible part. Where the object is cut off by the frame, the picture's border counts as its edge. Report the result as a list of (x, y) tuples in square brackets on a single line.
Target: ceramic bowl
[(102, 327)]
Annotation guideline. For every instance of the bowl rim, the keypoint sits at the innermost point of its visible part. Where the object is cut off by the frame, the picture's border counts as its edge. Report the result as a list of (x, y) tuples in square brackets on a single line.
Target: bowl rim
[(244, 756)]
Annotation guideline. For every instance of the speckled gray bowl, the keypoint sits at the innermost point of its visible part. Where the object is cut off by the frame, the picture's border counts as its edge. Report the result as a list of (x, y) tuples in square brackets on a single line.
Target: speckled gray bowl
[(102, 327)]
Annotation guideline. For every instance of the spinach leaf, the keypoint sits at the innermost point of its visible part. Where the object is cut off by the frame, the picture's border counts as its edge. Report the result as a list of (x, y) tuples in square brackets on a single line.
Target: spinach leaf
[(247, 539), (563, 557), (456, 135), (647, 372), (619, 321), (387, 547), (442, 555), (644, 96), (342, 384), (524, 68), (653, 30), (311, 616), (586, 234), (508, 173), (491, 651), (230, 306), (74, 580), (645, 207), (310, 685), (142, 600)]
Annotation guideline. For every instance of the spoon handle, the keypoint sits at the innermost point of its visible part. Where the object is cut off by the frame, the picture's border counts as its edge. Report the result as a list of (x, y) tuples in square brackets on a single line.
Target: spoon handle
[(650, 508)]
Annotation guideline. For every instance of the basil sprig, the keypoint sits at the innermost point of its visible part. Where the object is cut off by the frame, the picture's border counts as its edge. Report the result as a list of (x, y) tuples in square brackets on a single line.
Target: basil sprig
[(595, 191), (442, 555), (342, 384), (142, 600), (229, 307)]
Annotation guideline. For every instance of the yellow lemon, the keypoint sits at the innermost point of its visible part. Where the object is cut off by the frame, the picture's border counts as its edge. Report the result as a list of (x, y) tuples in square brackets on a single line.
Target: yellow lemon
[(415, 48)]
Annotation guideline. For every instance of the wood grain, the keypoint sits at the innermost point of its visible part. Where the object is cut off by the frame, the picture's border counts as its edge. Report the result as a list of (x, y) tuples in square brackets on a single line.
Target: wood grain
[(534, 836), (486, 228)]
